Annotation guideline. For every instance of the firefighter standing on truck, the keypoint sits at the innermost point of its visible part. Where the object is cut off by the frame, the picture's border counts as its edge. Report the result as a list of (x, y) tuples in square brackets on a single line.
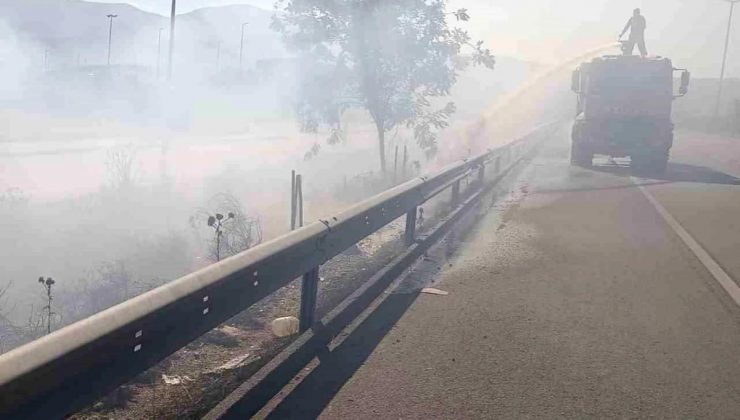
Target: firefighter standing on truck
[(637, 24)]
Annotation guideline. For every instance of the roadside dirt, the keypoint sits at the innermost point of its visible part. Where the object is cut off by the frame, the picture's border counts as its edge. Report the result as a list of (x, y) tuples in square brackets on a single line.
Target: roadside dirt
[(191, 381)]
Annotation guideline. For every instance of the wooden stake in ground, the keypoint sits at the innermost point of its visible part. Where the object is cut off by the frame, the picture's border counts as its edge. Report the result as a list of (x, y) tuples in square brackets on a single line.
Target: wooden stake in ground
[(296, 201), (292, 199), (299, 198), (405, 162)]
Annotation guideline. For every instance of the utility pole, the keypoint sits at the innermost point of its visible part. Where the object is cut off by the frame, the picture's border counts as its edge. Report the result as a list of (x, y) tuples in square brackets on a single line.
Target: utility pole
[(110, 35), (241, 49), (724, 58), (172, 38), (159, 51)]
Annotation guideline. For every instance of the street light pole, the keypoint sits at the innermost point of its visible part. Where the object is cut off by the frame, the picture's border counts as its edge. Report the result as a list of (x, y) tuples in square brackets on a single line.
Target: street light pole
[(110, 34), (159, 51), (241, 48), (172, 38), (724, 58)]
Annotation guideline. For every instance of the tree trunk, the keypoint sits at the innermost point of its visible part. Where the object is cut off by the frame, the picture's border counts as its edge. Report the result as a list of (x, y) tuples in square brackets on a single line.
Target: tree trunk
[(381, 146)]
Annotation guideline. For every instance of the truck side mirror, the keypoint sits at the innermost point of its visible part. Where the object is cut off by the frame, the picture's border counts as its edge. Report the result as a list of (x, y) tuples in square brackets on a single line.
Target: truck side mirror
[(575, 83), (685, 80)]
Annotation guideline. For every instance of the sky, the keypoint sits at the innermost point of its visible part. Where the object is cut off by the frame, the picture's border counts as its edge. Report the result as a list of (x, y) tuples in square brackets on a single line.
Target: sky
[(691, 32)]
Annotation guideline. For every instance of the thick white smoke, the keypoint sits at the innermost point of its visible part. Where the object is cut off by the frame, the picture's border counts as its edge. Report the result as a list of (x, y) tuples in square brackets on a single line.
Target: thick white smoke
[(16, 62)]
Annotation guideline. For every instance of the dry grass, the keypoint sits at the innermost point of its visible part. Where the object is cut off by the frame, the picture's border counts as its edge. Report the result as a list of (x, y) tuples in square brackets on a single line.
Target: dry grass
[(247, 334)]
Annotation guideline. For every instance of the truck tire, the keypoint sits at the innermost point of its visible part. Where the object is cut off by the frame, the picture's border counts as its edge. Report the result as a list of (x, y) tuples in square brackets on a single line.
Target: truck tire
[(650, 163), (580, 156)]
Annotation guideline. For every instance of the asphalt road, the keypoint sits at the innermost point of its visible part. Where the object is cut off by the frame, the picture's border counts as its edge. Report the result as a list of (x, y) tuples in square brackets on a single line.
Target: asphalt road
[(579, 302)]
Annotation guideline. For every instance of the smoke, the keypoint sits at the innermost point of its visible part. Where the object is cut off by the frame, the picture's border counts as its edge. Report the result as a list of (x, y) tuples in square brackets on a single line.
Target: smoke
[(540, 98), (16, 64), (79, 130), (533, 86)]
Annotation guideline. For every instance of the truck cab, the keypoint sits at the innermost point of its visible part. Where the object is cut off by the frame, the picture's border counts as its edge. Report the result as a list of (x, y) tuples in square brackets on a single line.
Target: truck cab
[(624, 109)]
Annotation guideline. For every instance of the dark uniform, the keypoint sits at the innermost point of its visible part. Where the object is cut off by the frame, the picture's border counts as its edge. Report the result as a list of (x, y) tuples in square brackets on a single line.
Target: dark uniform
[(638, 24)]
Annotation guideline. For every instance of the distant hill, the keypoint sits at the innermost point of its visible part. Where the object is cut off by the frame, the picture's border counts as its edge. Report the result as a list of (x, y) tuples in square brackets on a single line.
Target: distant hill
[(72, 30), (201, 31), (162, 7), (72, 24)]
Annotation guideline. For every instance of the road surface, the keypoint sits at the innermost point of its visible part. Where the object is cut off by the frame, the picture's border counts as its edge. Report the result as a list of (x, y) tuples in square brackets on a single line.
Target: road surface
[(581, 301)]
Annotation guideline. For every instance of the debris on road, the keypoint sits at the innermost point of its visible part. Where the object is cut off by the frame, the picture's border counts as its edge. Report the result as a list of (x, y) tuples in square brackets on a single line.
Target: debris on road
[(232, 331), (433, 291), (176, 379), (236, 363), (285, 326)]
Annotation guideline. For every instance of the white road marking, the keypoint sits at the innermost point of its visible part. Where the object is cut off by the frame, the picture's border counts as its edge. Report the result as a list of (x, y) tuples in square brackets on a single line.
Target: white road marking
[(711, 265)]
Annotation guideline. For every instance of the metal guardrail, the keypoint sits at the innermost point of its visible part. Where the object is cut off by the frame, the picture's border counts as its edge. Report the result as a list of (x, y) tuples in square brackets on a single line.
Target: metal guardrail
[(67, 370)]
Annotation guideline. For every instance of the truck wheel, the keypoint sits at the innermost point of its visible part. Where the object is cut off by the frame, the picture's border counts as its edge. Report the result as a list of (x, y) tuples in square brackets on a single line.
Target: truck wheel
[(579, 156), (660, 163), (654, 163)]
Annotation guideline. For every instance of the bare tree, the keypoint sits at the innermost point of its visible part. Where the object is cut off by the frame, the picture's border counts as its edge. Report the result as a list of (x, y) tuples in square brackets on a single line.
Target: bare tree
[(6, 326), (3, 292), (34, 324), (119, 162), (13, 199), (107, 284), (13, 334)]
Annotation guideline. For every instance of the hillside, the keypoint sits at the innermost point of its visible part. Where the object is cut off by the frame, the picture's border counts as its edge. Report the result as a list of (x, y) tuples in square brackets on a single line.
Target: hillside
[(72, 30), (162, 7)]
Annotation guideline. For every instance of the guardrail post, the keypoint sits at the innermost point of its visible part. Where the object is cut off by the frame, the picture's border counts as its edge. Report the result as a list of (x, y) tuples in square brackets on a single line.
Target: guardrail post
[(482, 173), (409, 236), (455, 193), (309, 292)]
